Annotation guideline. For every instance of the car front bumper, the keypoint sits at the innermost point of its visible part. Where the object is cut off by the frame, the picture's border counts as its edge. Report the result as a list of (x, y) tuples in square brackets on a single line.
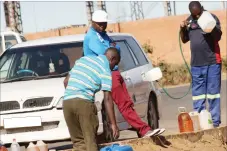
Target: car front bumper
[(53, 127)]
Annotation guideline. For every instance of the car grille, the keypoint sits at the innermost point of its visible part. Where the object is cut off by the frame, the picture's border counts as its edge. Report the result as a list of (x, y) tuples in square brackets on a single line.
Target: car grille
[(9, 105), (37, 102), (30, 103)]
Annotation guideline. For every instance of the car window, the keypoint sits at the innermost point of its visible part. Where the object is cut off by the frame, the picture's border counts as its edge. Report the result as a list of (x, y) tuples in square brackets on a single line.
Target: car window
[(43, 60), (127, 62), (10, 40), (5, 66), (137, 50)]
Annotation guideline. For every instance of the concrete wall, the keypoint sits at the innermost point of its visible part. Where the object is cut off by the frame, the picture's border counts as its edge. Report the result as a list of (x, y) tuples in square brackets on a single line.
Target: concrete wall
[(161, 33)]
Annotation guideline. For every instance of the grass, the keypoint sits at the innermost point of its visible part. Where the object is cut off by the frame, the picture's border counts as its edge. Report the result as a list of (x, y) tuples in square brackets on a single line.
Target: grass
[(174, 74)]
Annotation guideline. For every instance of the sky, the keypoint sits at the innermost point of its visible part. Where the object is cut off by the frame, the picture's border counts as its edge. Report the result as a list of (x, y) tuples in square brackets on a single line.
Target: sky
[(42, 16)]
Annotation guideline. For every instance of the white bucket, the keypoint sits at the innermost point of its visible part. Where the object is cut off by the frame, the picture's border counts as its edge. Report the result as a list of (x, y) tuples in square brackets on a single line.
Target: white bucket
[(205, 120), (206, 22), (195, 119)]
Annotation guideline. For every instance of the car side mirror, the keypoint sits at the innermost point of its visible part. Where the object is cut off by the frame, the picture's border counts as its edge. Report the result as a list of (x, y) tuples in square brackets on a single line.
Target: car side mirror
[(152, 75)]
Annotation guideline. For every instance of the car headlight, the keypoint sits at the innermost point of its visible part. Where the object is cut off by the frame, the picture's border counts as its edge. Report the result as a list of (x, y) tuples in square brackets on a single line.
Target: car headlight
[(60, 103)]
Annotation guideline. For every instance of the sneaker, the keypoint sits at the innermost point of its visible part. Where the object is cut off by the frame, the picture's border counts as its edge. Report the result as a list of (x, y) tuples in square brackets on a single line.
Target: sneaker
[(162, 130), (151, 133)]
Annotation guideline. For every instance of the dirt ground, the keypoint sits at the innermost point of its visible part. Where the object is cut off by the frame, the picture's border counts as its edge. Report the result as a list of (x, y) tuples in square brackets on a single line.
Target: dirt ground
[(206, 143)]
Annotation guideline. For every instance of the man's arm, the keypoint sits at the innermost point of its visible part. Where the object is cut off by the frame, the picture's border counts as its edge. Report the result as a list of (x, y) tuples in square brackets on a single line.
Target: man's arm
[(108, 102), (109, 106), (184, 34), (106, 79), (66, 80), (183, 30), (216, 32)]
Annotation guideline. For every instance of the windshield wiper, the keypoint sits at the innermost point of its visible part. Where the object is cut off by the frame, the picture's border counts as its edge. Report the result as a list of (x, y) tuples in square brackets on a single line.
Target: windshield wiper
[(20, 79), (53, 76), (25, 78)]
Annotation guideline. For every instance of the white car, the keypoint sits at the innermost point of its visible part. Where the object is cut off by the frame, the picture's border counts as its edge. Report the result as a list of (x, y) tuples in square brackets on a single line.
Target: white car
[(9, 38), (32, 87)]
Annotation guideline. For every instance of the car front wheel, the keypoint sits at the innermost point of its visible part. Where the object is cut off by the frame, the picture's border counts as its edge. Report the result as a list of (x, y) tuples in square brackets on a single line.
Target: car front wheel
[(152, 114)]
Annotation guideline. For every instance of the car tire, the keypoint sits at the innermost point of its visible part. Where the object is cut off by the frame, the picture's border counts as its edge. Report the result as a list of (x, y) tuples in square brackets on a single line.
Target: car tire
[(152, 114), (107, 135)]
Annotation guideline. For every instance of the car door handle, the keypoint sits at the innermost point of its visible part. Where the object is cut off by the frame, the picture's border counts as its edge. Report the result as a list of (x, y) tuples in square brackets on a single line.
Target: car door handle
[(134, 98), (127, 78), (143, 75)]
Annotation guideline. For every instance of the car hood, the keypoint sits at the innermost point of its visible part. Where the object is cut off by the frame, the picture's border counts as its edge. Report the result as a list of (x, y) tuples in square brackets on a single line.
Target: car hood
[(20, 90)]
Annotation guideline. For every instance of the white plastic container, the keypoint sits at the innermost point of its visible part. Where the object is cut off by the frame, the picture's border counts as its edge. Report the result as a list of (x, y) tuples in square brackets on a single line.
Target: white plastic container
[(195, 119), (32, 147), (15, 146), (206, 22), (42, 146), (205, 120)]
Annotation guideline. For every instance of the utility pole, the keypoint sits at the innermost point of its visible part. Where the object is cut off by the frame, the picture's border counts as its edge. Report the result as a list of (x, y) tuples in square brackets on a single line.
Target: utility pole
[(101, 5), (174, 8), (223, 5), (90, 10), (167, 8), (13, 15), (136, 10)]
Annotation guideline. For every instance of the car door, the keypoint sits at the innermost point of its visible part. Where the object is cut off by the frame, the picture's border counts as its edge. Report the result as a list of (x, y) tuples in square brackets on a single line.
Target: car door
[(142, 88), (131, 67)]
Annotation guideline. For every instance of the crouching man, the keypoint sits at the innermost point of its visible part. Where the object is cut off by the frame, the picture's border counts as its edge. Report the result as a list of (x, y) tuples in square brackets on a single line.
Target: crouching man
[(89, 75)]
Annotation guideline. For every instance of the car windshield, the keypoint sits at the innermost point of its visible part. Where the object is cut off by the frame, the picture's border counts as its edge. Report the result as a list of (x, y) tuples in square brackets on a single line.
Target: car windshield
[(37, 62)]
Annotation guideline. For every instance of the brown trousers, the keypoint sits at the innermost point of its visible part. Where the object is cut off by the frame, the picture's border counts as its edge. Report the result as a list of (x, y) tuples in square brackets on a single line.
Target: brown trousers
[(82, 121)]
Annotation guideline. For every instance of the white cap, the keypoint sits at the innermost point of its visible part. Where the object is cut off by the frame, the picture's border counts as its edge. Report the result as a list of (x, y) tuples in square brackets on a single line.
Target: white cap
[(100, 16)]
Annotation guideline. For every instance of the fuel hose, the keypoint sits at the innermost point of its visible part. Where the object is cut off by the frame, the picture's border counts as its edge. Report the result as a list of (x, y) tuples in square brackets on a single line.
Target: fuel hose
[(188, 68)]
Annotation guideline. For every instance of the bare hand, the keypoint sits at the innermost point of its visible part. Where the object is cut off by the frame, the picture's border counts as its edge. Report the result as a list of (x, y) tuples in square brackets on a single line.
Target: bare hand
[(115, 131), (184, 24)]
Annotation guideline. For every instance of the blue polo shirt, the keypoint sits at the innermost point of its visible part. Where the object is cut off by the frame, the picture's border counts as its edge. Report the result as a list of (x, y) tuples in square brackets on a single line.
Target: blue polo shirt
[(89, 75), (96, 43)]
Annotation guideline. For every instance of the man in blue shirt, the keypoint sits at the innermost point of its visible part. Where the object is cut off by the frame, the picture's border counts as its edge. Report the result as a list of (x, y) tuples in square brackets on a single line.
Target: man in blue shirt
[(96, 42), (89, 75)]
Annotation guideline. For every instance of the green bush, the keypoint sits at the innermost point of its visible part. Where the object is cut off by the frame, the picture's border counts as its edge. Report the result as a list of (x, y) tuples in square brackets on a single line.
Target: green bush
[(173, 74), (148, 48)]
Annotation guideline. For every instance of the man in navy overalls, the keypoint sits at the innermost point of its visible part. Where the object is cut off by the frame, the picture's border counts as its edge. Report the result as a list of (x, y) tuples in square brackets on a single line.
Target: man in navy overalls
[(205, 62)]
